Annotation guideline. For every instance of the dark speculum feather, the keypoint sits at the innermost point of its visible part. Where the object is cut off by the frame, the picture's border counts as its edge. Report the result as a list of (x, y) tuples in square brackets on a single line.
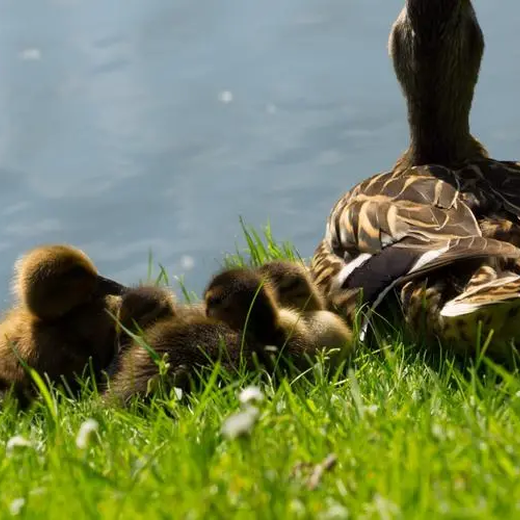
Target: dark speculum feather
[(381, 270)]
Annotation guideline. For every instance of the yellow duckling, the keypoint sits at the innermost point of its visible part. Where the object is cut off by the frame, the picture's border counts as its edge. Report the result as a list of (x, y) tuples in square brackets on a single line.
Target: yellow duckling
[(294, 289), (60, 319), (293, 285)]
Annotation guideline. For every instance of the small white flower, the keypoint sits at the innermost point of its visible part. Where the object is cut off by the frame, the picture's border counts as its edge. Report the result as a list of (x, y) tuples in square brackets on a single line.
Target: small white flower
[(178, 393), (296, 507), (16, 506), (438, 432), (17, 442), (333, 511), (251, 393), (241, 423), (385, 507), (86, 430), (372, 409)]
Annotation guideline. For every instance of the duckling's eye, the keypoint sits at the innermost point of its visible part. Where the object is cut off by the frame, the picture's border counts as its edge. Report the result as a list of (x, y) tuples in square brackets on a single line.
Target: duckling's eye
[(214, 301), (76, 271)]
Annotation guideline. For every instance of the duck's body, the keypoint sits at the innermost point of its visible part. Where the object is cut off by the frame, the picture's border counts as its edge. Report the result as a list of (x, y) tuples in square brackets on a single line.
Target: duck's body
[(445, 212), (61, 321)]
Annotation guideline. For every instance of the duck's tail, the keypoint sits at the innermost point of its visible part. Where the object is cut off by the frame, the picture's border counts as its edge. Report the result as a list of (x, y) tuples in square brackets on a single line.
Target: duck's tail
[(485, 289), (487, 311)]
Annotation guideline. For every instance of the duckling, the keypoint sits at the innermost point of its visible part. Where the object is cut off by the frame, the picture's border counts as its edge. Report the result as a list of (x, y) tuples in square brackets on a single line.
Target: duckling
[(143, 306), (293, 286), (244, 300), (294, 289), (60, 320), (184, 335), (445, 211), (140, 307), (192, 341), (146, 304)]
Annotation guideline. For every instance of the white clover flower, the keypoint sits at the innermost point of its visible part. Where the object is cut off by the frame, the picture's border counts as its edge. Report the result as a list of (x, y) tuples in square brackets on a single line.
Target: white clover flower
[(251, 393), (241, 423), (16, 506), (382, 507), (334, 511), (17, 442), (372, 409), (86, 430)]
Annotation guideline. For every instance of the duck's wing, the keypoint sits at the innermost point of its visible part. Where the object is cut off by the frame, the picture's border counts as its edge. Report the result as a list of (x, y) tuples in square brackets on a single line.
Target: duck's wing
[(395, 226), (409, 258), (423, 203)]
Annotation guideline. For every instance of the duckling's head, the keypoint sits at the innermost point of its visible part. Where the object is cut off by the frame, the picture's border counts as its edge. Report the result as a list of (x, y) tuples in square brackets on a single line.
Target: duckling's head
[(241, 298), (436, 48), (144, 305), (292, 285), (52, 280)]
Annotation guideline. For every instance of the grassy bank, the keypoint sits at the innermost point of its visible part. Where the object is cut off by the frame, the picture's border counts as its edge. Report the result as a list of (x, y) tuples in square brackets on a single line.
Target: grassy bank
[(391, 438)]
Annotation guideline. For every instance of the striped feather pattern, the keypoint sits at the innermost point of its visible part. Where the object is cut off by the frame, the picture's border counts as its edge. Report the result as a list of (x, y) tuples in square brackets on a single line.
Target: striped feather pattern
[(424, 219)]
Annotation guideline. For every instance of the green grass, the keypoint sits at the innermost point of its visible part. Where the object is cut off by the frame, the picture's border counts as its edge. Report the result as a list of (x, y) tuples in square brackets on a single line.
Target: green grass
[(410, 440)]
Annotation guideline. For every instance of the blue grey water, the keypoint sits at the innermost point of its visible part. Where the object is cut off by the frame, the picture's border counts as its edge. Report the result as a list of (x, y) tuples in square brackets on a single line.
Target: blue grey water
[(137, 125)]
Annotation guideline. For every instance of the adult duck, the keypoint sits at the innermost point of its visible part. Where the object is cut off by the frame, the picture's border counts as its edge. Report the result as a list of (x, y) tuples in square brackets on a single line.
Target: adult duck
[(442, 226)]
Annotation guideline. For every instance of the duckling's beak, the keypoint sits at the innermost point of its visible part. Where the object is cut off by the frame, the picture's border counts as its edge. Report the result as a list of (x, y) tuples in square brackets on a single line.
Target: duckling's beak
[(107, 286)]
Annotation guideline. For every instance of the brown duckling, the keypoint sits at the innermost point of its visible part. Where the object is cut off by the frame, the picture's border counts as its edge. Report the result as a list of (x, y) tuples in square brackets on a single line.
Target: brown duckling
[(182, 334), (144, 305), (293, 285), (61, 319), (246, 301), (139, 309), (295, 289), (192, 341)]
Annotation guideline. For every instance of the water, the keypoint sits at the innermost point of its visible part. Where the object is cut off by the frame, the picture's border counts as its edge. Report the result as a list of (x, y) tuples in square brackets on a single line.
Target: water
[(136, 125)]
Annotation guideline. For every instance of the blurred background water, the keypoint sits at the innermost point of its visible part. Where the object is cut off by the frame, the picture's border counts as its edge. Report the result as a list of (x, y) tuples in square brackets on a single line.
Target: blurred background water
[(138, 125)]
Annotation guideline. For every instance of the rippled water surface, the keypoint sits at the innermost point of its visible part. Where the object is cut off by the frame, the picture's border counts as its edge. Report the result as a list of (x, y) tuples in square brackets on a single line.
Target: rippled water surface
[(135, 125)]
